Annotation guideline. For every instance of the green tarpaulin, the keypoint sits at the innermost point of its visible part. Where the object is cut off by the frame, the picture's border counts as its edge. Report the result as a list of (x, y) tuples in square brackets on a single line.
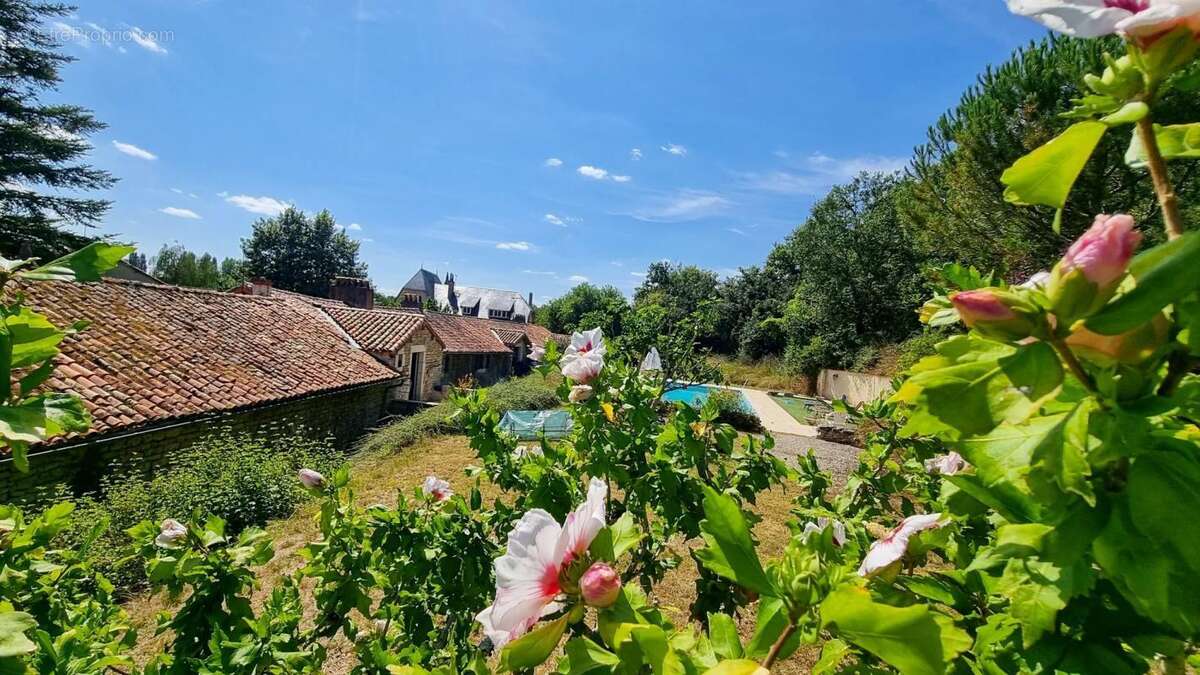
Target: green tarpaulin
[(530, 424)]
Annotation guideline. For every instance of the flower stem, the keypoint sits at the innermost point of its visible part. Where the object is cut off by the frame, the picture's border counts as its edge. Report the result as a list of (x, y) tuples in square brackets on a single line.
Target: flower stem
[(778, 646), (1073, 365), (1162, 182)]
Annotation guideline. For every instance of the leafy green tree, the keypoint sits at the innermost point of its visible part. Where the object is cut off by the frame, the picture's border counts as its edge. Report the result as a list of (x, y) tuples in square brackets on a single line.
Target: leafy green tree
[(584, 307), (177, 265), (959, 212), (859, 275), (41, 144), (749, 315), (138, 261), (301, 253), (680, 289)]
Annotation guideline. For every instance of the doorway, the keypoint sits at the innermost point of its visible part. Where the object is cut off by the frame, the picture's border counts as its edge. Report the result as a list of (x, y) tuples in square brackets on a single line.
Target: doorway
[(417, 374)]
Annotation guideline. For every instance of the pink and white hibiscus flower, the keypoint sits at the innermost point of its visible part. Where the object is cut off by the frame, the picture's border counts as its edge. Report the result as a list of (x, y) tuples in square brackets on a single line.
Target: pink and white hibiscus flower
[(1094, 18), (437, 488), (839, 530), (584, 356), (947, 464), (529, 574), (892, 547)]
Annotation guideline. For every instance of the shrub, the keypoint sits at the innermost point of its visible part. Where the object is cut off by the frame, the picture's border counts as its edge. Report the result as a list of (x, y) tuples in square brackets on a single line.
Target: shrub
[(732, 410), (243, 479), (918, 347), (532, 392)]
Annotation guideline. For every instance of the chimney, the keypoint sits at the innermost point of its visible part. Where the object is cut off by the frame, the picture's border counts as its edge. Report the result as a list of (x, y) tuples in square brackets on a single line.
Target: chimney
[(260, 286), (353, 291)]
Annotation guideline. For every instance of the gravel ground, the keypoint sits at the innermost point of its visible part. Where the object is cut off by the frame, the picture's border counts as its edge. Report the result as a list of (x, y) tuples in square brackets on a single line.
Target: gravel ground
[(835, 458)]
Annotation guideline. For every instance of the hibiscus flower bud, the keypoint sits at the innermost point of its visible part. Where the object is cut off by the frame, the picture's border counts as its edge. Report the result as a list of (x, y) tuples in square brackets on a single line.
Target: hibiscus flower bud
[(171, 534), (999, 314), (1088, 275), (1130, 347), (579, 393), (311, 479), (600, 585)]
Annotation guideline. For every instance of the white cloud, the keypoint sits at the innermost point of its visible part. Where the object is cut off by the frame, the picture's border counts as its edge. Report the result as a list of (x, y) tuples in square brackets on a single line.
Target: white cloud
[(622, 179), (180, 213), (146, 40), (552, 162), (592, 172), (578, 279), (674, 149), (554, 220), (133, 150), (354, 227), (683, 206), (818, 172), (223, 194), (635, 154), (616, 263), (540, 273), (66, 32), (514, 246), (640, 275), (266, 206), (738, 231)]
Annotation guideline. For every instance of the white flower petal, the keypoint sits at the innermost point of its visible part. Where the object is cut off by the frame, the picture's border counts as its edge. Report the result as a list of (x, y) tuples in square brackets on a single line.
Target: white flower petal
[(584, 523)]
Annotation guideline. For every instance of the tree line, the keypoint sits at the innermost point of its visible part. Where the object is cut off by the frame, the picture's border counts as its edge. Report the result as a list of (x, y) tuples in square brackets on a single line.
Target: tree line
[(842, 290)]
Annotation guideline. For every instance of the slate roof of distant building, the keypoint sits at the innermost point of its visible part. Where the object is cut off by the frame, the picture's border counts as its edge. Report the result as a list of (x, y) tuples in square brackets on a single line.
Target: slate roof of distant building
[(482, 299), (423, 281)]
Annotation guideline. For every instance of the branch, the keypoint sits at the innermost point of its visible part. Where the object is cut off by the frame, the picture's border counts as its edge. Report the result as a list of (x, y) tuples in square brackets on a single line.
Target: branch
[(1073, 365), (778, 646), (1162, 182)]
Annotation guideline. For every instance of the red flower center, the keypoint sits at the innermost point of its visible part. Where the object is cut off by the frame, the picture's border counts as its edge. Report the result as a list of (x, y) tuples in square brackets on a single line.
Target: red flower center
[(549, 582), (1133, 6)]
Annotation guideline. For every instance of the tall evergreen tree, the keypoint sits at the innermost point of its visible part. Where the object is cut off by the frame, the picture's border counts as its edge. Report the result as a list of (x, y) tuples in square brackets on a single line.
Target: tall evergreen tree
[(299, 253), (41, 145)]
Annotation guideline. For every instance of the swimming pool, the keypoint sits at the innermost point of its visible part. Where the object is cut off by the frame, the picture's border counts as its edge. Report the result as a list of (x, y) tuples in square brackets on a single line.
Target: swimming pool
[(696, 394)]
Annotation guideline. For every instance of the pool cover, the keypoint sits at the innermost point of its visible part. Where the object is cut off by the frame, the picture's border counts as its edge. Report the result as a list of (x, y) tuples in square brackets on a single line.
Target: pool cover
[(529, 424)]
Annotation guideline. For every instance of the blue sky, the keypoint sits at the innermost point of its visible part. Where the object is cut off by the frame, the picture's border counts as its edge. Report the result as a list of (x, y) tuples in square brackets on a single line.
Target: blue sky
[(524, 146)]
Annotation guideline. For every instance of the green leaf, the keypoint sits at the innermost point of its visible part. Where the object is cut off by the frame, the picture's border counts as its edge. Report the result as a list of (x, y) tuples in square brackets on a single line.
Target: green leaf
[(13, 641), (737, 667), (86, 264), (41, 417), (723, 634), (730, 550), (1164, 274), (973, 385), (585, 656), (1036, 591), (34, 338), (1175, 141), (771, 622), (1128, 114), (909, 638), (832, 653), (533, 648), (1045, 176), (614, 540)]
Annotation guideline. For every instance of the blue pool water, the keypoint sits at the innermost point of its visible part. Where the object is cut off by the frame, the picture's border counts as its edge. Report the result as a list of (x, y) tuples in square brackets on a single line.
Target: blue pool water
[(696, 394)]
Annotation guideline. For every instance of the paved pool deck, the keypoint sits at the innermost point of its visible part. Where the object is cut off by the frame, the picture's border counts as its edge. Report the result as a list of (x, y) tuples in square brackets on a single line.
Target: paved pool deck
[(772, 415)]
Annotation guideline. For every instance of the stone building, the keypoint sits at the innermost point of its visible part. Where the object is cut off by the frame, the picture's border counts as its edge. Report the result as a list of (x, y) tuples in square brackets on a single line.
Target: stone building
[(160, 367), (454, 298)]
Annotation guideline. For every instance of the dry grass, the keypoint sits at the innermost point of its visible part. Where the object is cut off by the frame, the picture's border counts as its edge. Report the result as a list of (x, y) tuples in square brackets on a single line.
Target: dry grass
[(768, 374), (377, 478)]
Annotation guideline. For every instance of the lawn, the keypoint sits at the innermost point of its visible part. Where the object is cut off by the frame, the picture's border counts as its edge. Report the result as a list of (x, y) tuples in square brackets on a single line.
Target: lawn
[(376, 477)]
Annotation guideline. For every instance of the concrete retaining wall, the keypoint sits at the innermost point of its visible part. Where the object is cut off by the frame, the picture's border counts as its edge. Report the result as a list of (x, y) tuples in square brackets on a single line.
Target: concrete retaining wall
[(855, 388)]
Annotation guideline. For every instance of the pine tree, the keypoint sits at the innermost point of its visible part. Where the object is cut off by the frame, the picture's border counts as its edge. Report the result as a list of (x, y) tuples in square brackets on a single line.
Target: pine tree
[(41, 144)]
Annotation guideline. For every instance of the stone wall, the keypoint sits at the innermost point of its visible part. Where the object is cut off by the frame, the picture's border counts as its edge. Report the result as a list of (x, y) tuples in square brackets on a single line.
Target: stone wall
[(76, 468), (432, 375)]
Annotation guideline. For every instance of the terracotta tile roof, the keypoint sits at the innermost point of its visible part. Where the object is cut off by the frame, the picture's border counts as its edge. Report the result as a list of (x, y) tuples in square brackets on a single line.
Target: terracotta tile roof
[(511, 337), (155, 353), (465, 335), (384, 330), (537, 334)]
